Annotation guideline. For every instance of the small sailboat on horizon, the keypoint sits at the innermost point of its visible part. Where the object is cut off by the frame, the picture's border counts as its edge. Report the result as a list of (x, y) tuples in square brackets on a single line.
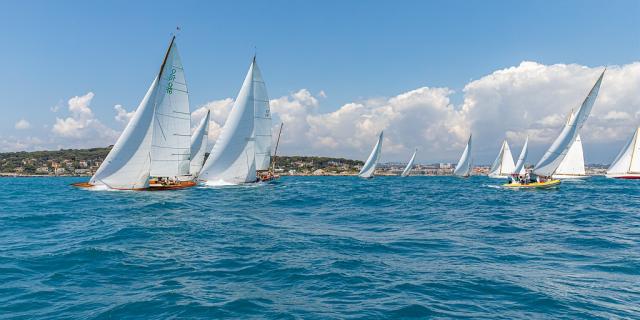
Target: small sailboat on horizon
[(503, 165), (463, 167), (407, 169), (153, 151), (367, 171), (627, 164), (550, 162)]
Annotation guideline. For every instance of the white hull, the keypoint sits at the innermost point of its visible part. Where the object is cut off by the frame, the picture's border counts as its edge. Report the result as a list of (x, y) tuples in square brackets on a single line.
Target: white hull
[(497, 176), (569, 176), (623, 175)]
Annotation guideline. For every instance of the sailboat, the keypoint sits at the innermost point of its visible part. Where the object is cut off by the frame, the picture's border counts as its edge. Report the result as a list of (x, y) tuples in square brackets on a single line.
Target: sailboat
[(572, 167), (244, 145), (503, 166), (551, 160), (627, 163), (409, 166), (370, 166), (463, 168), (519, 168), (199, 141), (153, 151)]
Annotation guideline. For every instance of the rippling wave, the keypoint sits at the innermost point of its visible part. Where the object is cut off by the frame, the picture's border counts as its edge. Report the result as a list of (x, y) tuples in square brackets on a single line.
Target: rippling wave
[(321, 247)]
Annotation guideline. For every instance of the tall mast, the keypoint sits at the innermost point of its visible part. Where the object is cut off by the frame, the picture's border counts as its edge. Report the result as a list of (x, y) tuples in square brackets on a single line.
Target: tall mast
[(275, 152)]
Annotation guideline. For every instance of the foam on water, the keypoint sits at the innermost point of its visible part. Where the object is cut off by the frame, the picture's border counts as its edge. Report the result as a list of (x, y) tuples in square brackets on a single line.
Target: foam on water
[(321, 247)]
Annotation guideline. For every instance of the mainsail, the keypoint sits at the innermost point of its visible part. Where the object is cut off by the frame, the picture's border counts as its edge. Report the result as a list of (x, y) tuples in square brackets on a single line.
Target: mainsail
[(551, 160), (199, 141), (503, 165), (233, 157), (170, 155), (409, 166), (519, 169), (262, 124), (370, 166), (627, 163), (129, 164), (463, 168)]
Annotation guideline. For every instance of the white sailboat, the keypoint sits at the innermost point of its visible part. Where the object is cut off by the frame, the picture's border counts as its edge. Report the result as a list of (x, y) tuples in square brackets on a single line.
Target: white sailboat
[(409, 166), (235, 155), (463, 168), (551, 160), (371, 163), (503, 166), (199, 142), (627, 163), (572, 167), (155, 142), (519, 168)]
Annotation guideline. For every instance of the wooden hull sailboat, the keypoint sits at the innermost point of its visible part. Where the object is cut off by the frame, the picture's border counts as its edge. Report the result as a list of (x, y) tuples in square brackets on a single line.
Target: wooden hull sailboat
[(153, 151)]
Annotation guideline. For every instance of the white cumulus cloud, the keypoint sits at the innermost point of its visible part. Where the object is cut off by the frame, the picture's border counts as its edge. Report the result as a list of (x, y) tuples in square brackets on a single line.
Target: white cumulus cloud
[(22, 124)]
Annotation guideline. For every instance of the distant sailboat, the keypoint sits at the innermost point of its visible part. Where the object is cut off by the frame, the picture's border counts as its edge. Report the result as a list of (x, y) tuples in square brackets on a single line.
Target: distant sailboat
[(463, 168), (627, 163), (199, 142), (519, 168), (235, 155), (409, 166), (370, 166), (155, 142), (503, 166), (551, 160)]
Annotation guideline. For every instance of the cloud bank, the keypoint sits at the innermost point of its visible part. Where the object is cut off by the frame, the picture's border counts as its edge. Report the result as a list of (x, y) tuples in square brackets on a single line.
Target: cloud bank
[(530, 99)]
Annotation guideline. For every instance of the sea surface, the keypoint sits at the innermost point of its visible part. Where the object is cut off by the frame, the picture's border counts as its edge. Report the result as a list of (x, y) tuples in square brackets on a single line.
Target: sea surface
[(321, 248)]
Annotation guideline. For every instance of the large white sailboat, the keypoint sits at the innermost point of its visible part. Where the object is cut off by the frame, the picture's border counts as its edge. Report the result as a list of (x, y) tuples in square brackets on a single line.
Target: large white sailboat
[(244, 145), (503, 166), (463, 168), (551, 160), (627, 163), (199, 142), (407, 169), (153, 152), (371, 163)]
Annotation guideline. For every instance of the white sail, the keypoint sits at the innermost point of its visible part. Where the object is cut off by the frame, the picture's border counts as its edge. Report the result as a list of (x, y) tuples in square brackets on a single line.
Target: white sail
[(519, 169), (199, 141), (170, 145), (409, 166), (572, 166), (262, 124), (463, 168), (127, 164), (627, 163), (370, 166), (503, 165), (233, 159), (551, 160)]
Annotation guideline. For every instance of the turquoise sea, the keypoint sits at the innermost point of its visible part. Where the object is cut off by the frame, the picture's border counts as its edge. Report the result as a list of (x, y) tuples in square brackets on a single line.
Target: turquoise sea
[(321, 248)]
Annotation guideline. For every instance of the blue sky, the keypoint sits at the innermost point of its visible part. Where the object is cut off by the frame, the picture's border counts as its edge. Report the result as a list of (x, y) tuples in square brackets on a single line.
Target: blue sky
[(351, 50)]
